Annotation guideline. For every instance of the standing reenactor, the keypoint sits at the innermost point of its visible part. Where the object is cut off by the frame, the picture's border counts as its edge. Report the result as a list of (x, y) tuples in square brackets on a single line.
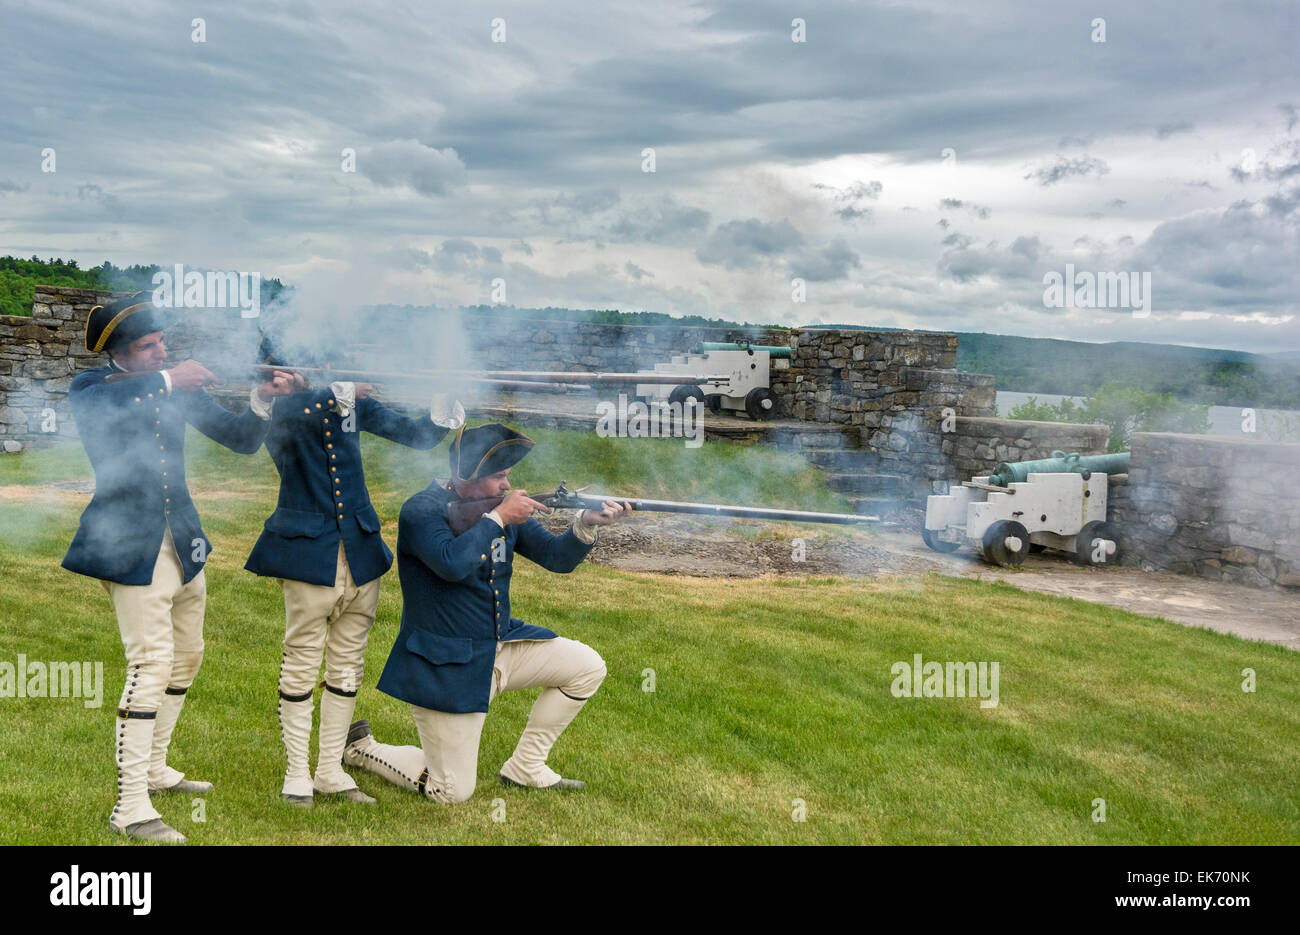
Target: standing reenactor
[(459, 647), (324, 545), (141, 535)]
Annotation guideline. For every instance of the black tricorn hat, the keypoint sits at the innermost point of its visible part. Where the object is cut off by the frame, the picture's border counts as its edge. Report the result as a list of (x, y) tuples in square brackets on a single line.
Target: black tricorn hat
[(121, 322), (479, 452)]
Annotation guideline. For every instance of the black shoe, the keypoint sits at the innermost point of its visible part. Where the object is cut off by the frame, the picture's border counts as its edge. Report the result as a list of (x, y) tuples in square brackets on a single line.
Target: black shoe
[(358, 731), (563, 784)]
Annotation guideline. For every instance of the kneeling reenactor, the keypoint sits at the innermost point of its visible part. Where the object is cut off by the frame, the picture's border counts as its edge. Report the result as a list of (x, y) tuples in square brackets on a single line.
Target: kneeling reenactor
[(459, 647)]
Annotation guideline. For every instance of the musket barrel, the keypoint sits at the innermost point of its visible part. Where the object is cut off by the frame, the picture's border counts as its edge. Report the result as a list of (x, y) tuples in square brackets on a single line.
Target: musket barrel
[(532, 376), (567, 376), (594, 501)]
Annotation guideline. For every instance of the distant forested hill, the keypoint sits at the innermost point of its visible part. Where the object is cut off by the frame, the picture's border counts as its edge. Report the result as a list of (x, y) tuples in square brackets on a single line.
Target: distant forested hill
[(18, 279), (1078, 368)]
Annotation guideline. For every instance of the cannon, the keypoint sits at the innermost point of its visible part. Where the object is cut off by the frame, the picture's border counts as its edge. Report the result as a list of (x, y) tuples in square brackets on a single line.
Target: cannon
[(746, 366), (774, 351), (1059, 463), (1055, 503)]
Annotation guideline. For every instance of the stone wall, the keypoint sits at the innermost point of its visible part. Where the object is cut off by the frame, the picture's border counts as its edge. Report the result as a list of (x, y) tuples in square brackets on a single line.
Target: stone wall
[(40, 355), (38, 358), (859, 377), (977, 444), (1225, 509)]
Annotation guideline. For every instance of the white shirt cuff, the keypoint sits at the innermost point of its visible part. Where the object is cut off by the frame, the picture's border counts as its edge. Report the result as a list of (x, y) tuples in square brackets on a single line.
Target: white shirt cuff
[(585, 533), (496, 518), (449, 414), (167, 381), (345, 397), (259, 406)]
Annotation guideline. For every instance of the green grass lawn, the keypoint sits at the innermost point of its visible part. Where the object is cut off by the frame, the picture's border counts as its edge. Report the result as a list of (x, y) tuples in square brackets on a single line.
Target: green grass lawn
[(767, 691)]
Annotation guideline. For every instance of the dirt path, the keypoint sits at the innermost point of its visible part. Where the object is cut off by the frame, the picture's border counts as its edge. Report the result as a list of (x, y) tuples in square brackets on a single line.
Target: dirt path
[(708, 547)]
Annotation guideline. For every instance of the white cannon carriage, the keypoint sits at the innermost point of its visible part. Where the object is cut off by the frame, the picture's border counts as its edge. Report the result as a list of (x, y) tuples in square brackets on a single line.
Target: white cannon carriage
[(1062, 511), (746, 389)]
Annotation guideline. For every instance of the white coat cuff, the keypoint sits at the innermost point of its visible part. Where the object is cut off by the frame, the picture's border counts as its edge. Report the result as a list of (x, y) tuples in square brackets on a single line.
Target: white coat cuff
[(448, 413), (585, 533), (260, 407), (345, 398)]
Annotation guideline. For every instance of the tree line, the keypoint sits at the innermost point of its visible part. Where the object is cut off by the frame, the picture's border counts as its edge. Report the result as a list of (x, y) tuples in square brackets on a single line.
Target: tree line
[(19, 278)]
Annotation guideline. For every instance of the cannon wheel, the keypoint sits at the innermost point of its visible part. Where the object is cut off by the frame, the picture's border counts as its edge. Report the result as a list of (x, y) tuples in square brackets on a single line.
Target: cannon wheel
[(931, 538), (994, 545), (687, 391), (714, 402), (754, 400), (1083, 543)]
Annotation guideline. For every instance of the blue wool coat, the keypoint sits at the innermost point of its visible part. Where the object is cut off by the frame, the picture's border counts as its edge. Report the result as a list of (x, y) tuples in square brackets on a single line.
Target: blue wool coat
[(456, 602), (134, 435), (323, 495)]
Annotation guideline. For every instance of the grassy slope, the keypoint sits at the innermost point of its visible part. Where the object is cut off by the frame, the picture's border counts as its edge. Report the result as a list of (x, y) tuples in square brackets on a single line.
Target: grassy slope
[(766, 691)]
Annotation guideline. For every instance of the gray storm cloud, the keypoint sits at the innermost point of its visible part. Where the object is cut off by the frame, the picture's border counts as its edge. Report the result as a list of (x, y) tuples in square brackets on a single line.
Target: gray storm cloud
[(749, 242), (422, 168)]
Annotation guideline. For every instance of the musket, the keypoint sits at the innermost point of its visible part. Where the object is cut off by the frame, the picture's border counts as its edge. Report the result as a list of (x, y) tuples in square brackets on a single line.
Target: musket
[(530, 376), (505, 379), (462, 514), (368, 376)]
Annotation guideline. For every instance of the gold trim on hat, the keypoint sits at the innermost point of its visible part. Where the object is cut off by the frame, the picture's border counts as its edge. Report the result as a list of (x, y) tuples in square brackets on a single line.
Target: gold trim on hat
[(501, 444), (456, 448), (491, 451), (117, 320)]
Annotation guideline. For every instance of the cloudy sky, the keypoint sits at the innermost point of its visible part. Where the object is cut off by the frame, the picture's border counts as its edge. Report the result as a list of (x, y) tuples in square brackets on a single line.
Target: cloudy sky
[(920, 164)]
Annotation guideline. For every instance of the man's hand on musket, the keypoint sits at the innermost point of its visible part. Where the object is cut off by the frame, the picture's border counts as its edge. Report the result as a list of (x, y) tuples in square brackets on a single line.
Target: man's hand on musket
[(609, 513), (282, 383), (518, 507), (190, 375)]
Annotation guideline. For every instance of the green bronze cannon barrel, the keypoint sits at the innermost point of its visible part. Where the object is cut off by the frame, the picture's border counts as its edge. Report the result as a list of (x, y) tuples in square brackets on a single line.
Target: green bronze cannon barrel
[(773, 350), (1059, 463)]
